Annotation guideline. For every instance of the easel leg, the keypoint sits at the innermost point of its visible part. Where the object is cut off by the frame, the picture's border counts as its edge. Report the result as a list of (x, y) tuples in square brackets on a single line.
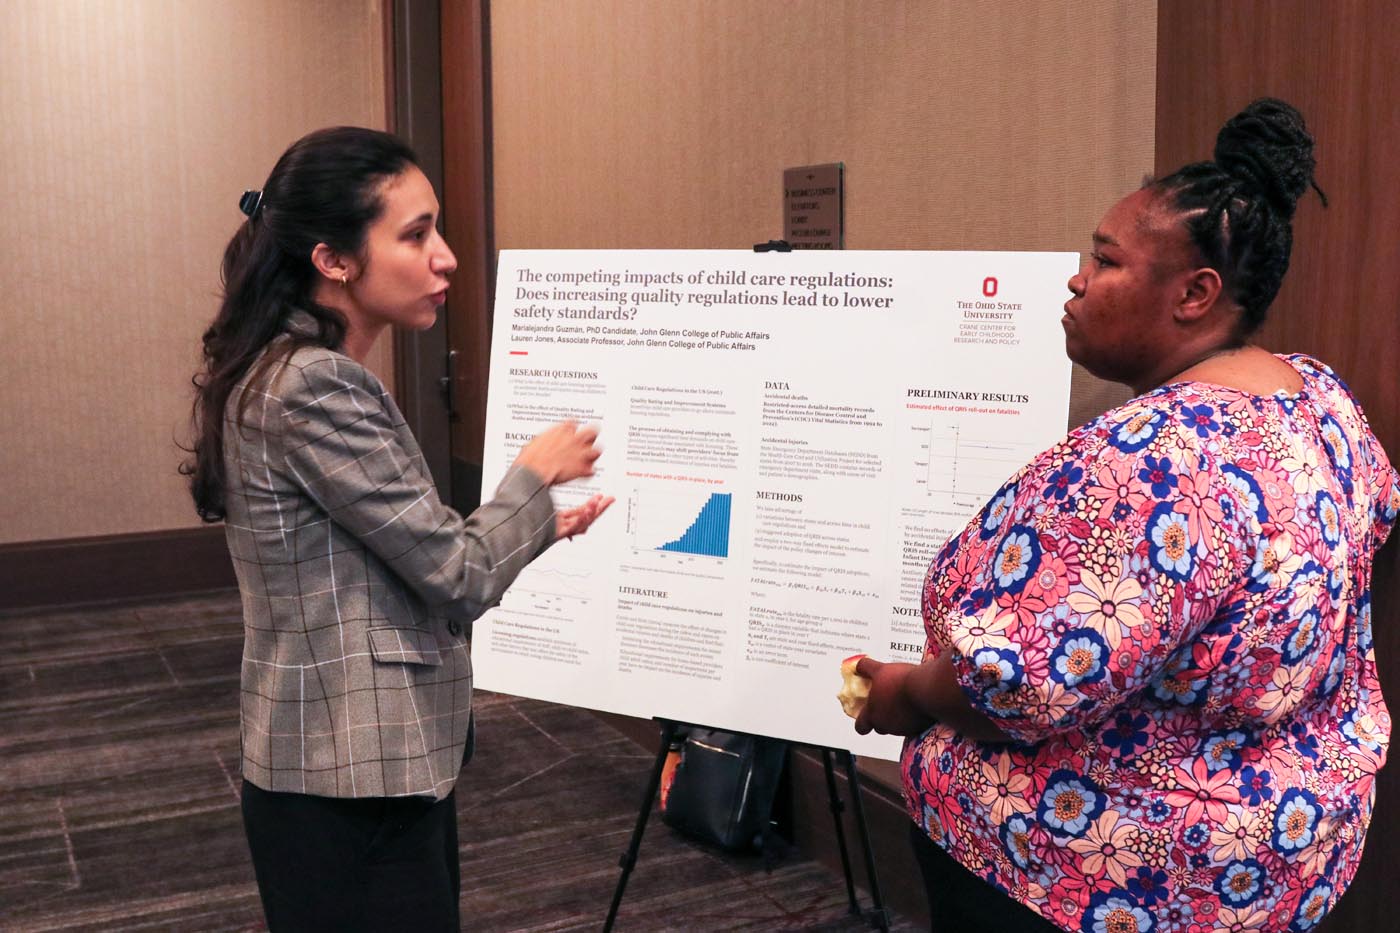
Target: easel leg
[(880, 917), (629, 858), (833, 795)]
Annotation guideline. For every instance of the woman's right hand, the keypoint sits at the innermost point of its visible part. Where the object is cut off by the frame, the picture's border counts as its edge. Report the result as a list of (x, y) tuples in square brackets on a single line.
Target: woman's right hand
[(889, 710), (562, 452)]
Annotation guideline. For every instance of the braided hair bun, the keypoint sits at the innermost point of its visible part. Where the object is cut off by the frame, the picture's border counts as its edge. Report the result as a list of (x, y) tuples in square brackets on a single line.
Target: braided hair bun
[(1267, 147), (1238, 209)]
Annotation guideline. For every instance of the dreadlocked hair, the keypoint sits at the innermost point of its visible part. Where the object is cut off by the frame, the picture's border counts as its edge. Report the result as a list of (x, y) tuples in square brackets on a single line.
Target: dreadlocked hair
[(1238, 209)]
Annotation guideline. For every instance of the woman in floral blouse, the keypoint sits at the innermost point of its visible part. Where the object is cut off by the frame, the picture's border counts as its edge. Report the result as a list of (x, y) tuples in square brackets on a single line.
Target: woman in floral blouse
[(1149, 698)]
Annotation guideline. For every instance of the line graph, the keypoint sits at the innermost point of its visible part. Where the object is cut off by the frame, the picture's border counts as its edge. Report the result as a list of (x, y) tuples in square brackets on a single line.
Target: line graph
[(961, 466), (524, 599)]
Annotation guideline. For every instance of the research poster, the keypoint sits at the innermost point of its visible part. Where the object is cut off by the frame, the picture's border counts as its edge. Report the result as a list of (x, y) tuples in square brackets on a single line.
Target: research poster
[(791, 437)]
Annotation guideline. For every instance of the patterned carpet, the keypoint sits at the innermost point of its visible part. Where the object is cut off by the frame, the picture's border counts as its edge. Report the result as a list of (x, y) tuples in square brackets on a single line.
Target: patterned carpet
[(119, 797)]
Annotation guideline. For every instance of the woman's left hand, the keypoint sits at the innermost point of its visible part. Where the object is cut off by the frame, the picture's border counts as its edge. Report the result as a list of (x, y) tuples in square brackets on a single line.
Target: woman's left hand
[(575, 521), (889, 709)]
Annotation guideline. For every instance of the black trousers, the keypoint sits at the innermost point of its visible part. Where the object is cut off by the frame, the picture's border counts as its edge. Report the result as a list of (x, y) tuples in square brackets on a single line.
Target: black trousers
[(368, 864), (960, 902)]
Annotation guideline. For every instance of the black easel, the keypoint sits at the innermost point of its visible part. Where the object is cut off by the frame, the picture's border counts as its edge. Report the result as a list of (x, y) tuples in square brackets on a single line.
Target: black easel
[(878, 915)]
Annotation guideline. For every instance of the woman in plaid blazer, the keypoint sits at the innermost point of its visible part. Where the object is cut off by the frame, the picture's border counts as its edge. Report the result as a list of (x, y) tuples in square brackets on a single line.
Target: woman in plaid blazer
[(358, 583)]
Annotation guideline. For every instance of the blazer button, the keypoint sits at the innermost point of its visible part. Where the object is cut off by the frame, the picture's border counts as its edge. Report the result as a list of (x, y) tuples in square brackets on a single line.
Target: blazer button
[(454, 628)]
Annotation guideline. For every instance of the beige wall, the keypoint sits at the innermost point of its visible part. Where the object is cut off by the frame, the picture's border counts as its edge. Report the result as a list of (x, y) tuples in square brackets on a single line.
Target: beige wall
[(963, 125), (127, 132)]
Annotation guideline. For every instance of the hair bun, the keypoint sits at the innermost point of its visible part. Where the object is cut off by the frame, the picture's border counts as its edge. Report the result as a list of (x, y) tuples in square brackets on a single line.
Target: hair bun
[(1267, 147)]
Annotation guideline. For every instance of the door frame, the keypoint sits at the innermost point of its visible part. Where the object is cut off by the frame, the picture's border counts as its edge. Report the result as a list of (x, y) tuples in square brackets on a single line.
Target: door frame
[(469, 209), (413, 50)]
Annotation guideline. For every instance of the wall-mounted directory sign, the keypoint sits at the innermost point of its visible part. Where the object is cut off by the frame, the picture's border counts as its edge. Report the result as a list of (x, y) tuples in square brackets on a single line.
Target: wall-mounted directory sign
[(814, 206)]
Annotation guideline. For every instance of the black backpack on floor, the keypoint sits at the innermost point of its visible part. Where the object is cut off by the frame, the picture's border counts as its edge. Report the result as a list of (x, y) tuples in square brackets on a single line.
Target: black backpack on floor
[(724, 788)]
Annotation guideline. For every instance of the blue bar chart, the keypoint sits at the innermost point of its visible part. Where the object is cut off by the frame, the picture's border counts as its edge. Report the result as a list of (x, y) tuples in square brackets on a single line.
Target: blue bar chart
[(708, 535), (686, 523)]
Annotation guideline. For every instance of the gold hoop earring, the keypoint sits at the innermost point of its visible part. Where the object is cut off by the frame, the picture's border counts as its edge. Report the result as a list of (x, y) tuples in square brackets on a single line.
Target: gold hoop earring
[(344, 280)]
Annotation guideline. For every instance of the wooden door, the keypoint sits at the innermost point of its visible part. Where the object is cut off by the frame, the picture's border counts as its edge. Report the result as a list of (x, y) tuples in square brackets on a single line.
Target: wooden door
[(1335, 61), (415, 115), (466, 136)]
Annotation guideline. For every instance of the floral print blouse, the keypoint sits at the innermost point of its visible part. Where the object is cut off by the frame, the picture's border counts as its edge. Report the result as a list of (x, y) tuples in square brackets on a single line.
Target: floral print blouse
[(1170, 612)]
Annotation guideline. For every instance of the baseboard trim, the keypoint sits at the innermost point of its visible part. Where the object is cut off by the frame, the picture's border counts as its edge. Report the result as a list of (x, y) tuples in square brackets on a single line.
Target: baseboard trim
[(82, 571)]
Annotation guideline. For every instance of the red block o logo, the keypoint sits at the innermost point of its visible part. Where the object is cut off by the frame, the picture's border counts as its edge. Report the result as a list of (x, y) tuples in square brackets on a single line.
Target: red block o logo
[(989, 286)]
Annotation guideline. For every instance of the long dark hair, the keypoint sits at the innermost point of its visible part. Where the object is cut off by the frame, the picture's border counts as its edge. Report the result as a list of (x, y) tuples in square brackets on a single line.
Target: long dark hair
[(1238, 209), (324, 189)]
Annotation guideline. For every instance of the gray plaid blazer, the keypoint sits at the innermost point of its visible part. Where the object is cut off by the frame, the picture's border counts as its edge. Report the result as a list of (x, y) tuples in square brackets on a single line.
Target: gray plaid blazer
[(356, 582)]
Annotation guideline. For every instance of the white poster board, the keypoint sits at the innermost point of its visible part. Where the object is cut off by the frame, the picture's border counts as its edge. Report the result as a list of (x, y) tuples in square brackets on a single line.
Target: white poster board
[(790, 438)]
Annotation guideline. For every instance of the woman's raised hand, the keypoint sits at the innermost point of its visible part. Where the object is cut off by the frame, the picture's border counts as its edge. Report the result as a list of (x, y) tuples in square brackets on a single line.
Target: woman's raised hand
[(561, 453), (575, 521)]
